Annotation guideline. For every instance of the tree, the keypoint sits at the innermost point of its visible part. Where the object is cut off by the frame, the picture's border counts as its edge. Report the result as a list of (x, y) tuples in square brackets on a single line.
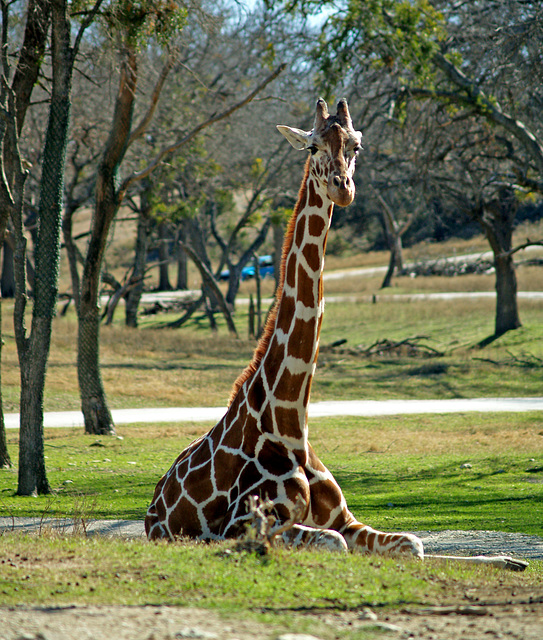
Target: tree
[(393, 233), (111, 190), (14, 103), (33, 347), (471, 62), (93, 401)]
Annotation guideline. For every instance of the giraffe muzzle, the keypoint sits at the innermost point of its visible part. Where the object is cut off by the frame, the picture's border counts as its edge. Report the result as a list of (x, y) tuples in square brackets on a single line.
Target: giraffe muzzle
[(341, 190)]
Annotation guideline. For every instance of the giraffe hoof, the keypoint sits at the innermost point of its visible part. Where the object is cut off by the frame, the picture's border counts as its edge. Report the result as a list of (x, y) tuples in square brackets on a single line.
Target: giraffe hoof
[(504, 562), (331, 540), (514, 564), (412, 546)]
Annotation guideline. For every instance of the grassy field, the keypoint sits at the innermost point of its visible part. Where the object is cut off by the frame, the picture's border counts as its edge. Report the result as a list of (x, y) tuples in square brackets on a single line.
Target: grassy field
[(398, 473), (191, 367)]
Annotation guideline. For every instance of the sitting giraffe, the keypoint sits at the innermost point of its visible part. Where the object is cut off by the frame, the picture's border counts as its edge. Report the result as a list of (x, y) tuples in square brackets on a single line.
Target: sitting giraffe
[(260, 447)]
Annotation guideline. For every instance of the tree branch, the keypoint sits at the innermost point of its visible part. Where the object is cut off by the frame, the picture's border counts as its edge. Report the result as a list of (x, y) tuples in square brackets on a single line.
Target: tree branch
[(89, 18), (528, 243), (209, 279), (194, 132), (144, 123), (492, 111)]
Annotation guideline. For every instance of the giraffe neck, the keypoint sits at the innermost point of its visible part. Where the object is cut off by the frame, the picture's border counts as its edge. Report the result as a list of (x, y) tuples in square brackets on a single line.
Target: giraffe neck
[(279, 378)]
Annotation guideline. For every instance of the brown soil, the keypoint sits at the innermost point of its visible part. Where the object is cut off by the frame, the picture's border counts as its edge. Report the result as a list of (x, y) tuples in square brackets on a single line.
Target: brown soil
[(514, 619)]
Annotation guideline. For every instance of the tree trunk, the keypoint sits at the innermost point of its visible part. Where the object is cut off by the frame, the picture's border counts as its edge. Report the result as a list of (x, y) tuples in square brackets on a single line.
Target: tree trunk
[(498, 227), (5, 460), (395, 262), (33, 359), (8, 275), (258, 297), (72, 253), (278, 238), (94, 406), (234, 281), (32, 478), (390, 271), (393, 233), (182, 265), (164, 258), (93, 398), (133, 297), (32, 52), (12, 183), (507, 315), (196, 248), (251, 322)]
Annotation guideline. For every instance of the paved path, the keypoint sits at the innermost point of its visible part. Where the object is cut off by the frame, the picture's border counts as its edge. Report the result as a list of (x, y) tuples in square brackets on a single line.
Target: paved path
[(171, 296), (316, 410)]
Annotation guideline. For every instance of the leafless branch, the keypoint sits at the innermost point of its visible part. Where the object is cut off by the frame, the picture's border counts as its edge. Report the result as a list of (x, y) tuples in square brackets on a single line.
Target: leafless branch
[(491, 110), (146, 119), (194, 132), (528, 243)]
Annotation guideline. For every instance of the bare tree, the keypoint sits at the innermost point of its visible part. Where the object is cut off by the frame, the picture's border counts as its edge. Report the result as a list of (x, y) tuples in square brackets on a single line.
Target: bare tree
[(14, 103), (110, 192)]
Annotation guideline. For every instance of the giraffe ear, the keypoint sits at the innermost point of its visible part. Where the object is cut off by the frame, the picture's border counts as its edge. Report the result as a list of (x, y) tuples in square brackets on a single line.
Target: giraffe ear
[(297, 138)]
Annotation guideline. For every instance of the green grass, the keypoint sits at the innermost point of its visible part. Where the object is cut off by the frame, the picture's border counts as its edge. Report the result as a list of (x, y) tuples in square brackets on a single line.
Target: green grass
[(188, 574), (397, 473), (289, 590)]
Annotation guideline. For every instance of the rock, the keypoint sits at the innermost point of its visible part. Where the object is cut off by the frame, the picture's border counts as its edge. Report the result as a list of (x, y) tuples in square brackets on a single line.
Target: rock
[(195, 634), (296, 636), (367, 614), (383, 626)]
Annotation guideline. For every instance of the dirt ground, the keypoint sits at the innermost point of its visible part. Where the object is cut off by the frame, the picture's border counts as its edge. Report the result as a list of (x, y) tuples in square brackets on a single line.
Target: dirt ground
[(477, 615), (518, 621)]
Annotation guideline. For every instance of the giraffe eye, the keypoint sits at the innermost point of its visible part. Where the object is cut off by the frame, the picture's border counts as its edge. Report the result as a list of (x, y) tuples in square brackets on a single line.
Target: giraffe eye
[(313, 149)]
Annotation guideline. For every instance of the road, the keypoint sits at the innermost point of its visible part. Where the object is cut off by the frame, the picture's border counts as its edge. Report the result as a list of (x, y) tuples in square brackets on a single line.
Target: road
[(171, 296), (316, 410)]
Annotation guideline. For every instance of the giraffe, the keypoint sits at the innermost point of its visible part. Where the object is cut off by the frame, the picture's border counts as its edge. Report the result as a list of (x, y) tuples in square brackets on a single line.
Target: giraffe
[(260, 447)]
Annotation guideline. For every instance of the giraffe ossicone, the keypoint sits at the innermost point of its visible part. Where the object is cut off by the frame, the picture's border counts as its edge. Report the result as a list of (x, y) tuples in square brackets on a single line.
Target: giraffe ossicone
[(260, 447)]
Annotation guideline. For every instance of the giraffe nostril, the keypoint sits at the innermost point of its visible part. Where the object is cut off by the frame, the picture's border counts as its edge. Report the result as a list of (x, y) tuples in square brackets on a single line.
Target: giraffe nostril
[(340, 182)]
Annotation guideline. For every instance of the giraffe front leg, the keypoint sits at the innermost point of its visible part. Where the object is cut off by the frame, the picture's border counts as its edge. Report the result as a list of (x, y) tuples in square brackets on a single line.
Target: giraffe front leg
[(300, 536), (329, 510), (284, 525), (154, 529), (362, 538)]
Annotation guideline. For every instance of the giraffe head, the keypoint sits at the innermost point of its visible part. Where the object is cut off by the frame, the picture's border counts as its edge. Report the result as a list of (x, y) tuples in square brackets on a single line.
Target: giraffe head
[(334, 145)]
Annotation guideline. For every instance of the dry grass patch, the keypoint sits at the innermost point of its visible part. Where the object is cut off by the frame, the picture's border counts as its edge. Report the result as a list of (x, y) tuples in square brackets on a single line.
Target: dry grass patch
[(426, 435)]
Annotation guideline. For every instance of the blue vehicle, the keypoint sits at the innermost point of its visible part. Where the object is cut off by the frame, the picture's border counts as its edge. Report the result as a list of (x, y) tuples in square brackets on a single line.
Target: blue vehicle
[(265, 268)]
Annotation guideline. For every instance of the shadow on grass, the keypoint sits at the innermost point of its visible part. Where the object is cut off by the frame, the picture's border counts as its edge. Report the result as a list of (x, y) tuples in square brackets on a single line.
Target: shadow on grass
[(489, 340), (440, 495)]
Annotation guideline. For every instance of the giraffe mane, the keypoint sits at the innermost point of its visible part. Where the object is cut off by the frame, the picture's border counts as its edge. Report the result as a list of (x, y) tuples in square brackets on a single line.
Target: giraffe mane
[(267, 332)]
